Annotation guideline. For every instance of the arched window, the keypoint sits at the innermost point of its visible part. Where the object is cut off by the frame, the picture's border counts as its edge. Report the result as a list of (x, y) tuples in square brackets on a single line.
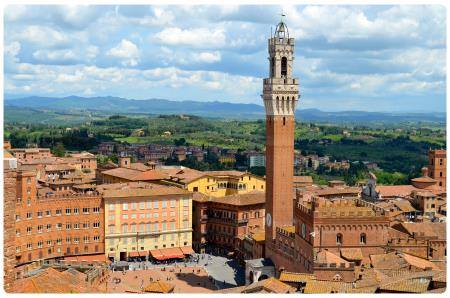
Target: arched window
[(283, 66), (362, 238), (339, 239)]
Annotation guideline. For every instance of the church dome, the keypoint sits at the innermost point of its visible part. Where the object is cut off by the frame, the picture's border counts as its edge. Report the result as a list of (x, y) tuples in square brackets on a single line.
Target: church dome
[(281, 30)]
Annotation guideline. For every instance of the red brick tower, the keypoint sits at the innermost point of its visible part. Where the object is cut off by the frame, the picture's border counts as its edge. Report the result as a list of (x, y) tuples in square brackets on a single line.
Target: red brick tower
[(437, 168), (280, 97)]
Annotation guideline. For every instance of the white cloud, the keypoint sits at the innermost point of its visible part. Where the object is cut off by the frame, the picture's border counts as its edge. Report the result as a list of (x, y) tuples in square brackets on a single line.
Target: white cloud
[(208, 57), (197, 38), (126, 50), (12, 49), (58, 55), (70, 78), (42, 35)]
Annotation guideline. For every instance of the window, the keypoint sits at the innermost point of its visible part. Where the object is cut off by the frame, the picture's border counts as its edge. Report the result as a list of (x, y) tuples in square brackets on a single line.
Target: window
[(29, 230), (96, 209), (75, 210), (133, 228), (68, 211), (86, 210), (40, 244), (111, 217), (164, 226), (49, 242), (58, 212), (155, 227), (172, 213), (76, 240), (195, 189), (362, 238), (18, 232), (172, 203), (49, 227), (148, 215), (283, 66), (86, 225), (97, 224), (185, 212), (59, 226), (164, 214), (86, 239), (155, 215), (29, 215), (112, 229), (155, 204), (142, 205), (186, 202), (133, 206), (185, 224), (29, 246), (149, 204), (339, 239), (142, 215), (48, 213), (133, 216), (440, 174), (148, 227), (124, 216), (112, 207), (96, 238), (141, 227), (17, 217), (76, 226), (172, 225), (39, 214), (125, 206), (124, 228), (164, 204), (68, 240), (59, 241)]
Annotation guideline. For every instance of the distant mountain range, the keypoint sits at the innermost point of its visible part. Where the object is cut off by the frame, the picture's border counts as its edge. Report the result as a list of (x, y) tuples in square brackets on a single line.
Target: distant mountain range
[(113, 105)]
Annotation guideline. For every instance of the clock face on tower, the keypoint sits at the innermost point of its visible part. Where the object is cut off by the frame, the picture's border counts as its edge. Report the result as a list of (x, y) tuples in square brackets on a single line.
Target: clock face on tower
[(268, 220)]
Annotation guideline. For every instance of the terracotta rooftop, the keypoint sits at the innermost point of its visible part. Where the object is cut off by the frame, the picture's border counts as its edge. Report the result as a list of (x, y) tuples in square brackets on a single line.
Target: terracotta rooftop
[(328, 191), (184, 175), (139, 166), (59, 167), (327, 257), (135, 175), (389, 191), (83, 155), (425, 179), (296, 277), (404, 205), (352, 254), (250, 198), (53, 281), (388, 261), (231, 173), (303, 179), (326, 287), (415, 282), (136, 189), (159, 287), (419, 262), (270, 285), (428, 229)]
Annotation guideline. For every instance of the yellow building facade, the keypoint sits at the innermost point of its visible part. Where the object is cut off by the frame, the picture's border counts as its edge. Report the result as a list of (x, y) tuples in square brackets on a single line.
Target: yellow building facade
[(225, 183), (142, 217)]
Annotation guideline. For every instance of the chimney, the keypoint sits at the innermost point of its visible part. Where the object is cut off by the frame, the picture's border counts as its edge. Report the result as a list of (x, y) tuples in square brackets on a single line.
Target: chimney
[(425, 171)]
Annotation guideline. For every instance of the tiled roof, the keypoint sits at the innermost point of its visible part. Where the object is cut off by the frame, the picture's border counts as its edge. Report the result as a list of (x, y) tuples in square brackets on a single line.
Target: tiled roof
[(326, 287), (59, 167), (251, 198), (328, 191), (395, 190), (352, 254), (327, 257), (184, 175), (428, 229), (424, 179), (136, 189), (388, 261), (418, 262), (139, 166), (159, 287), (303, 179), (53, 281), (270, 285), (404, 205), (405, 284), (296, 277), (135, 175)]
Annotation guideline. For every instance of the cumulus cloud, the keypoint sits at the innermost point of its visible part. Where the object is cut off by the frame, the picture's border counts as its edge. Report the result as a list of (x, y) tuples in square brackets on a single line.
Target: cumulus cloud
[(346, 56), (127, 51)]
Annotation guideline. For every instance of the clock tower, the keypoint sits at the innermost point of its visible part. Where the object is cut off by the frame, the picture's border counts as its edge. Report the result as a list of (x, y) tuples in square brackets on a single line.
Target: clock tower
[(280, 95)]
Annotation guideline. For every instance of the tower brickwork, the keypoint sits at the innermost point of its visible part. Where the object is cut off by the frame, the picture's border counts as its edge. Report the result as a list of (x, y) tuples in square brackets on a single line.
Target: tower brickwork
[(280, 96), (437, 168)]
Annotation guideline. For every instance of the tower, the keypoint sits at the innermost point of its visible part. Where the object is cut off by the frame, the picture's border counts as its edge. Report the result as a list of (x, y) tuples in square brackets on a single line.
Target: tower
[(280, 95), (437, 168)]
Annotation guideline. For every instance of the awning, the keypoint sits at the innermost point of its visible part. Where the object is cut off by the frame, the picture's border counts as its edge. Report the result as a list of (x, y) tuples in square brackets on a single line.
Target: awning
[(172, 253), (156, 253), (187, 250), (133, 254)]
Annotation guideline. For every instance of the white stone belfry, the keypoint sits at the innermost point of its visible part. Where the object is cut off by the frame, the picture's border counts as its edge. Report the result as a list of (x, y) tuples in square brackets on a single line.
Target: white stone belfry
[(280, 90)]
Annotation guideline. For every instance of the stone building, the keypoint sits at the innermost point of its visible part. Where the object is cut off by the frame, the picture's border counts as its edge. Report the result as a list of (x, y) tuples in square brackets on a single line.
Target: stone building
[(221, 223), (145, 220)]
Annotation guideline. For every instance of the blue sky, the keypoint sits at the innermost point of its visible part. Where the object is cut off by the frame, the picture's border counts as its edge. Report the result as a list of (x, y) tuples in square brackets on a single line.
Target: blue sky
[(373, 58)]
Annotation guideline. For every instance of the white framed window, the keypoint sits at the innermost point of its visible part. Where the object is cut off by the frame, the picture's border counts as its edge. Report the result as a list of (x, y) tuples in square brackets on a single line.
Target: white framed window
[(142, 205), (155, 204), (172, 203), (112, 207), (133, 206), (125, 206)]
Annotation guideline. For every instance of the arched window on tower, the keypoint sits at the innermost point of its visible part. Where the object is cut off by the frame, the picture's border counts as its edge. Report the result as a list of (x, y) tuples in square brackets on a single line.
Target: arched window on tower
[(339, 239), (284, 67), (362, 238), (272, 67)]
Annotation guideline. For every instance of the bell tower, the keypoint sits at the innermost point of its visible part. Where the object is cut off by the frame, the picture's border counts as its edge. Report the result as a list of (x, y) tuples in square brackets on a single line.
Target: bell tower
[(280, 96)]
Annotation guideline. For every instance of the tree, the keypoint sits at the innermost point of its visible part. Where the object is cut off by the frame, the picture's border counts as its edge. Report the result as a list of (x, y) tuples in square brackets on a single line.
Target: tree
[(59, 150)]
